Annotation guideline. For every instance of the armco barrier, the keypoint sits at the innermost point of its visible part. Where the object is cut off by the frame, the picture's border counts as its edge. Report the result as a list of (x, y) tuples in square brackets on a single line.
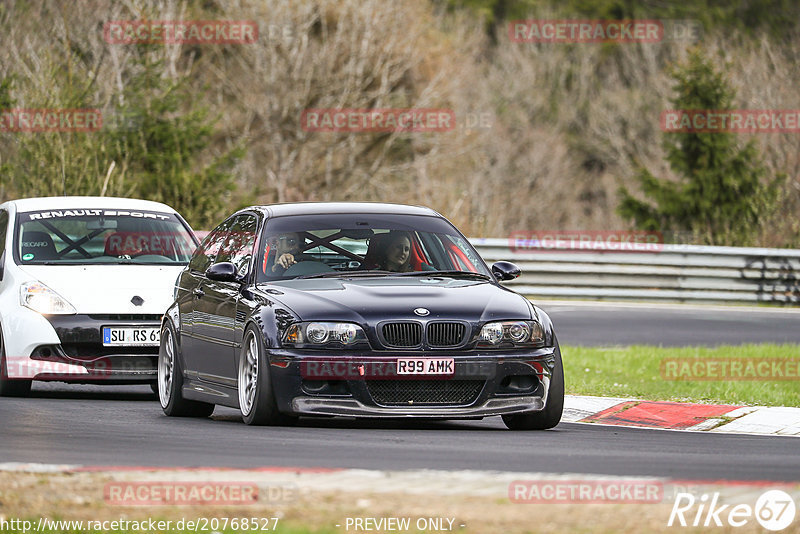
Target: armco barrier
[(678, 273)]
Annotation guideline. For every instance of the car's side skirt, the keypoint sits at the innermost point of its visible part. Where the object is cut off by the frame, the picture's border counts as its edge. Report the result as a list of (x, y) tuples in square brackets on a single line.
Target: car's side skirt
[(214, 393)]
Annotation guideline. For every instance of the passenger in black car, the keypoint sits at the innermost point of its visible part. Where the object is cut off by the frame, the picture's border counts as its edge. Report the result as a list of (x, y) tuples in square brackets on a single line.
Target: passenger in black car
[(395, 252)]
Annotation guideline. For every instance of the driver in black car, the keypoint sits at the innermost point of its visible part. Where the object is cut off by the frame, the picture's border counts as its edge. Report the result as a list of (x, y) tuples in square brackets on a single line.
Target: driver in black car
[(287, 252)]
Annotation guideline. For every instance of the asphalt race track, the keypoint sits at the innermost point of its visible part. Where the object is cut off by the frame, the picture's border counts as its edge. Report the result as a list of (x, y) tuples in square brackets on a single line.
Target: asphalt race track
[(671, 325), (81, 425), (124, 425)]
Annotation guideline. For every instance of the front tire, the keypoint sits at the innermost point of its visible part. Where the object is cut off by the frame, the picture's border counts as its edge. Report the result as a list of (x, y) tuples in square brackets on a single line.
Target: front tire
[(256, 396), (11, 387), (554, 405), (170, 380)]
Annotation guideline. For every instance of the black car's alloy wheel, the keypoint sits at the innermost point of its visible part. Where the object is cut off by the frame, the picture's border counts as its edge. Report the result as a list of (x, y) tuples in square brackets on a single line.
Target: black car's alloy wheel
[(553, 408), (256, 398), (11, 387), (170, 381)]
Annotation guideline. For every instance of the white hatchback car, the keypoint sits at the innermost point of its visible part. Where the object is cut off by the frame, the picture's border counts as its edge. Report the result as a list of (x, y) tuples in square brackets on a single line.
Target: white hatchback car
[(84, 282)]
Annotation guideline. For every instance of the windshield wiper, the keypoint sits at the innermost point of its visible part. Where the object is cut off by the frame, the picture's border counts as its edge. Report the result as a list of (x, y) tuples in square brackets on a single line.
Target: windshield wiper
[(345, 274), (375, 272), (467, 274), (81, 262)]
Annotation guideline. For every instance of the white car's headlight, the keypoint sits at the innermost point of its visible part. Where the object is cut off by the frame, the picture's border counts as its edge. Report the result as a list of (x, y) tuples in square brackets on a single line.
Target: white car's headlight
[(520, 333), (42, 299)]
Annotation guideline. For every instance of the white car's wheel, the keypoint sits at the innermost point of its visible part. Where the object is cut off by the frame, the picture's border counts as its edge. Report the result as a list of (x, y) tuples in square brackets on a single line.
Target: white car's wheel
[(170, 381), (11, 387)]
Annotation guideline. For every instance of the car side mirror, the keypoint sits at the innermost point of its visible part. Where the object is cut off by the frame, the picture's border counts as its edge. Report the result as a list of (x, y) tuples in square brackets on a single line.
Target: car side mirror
[(505, 270), (223, 272)]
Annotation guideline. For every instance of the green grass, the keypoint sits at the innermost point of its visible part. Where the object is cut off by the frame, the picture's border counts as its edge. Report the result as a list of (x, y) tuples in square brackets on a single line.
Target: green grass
[(635, 371)]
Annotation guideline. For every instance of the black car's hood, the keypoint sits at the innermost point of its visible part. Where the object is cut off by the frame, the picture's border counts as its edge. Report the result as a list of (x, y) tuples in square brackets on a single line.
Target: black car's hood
[(373, 299)]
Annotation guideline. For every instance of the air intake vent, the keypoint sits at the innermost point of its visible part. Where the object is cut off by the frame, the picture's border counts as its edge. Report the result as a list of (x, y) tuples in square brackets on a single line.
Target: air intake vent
[(446, 334), (424, 392), (125, 316), (402, 334)]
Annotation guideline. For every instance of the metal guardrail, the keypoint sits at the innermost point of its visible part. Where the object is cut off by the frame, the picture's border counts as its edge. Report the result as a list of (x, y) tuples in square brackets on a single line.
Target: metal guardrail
[(677, 273)]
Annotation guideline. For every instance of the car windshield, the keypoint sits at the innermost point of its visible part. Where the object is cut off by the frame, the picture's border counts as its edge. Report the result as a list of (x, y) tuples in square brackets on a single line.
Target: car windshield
[(101, 236), (364, 245)]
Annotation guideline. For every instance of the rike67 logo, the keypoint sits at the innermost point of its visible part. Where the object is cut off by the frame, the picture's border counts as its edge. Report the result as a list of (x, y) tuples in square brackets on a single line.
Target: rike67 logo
[(774, 510)]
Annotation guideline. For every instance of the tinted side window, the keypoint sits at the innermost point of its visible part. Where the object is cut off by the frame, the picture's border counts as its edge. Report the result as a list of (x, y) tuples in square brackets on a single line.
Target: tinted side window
[(207, 251), (239, 243)]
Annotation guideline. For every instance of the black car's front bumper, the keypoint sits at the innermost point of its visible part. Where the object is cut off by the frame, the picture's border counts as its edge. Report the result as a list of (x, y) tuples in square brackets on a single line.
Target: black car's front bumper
[(367, 385)]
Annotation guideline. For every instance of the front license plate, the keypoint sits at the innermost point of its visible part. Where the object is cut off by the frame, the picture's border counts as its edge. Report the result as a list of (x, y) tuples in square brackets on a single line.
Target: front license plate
[(131, 336), (425, 366)]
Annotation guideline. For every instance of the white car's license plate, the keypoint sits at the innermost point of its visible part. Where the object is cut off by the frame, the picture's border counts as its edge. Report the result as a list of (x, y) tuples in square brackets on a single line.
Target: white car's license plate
[(425, 366), (131, 336)]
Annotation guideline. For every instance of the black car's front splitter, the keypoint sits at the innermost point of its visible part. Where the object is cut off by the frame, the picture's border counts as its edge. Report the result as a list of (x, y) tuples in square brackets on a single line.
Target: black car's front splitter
[(354, 408)]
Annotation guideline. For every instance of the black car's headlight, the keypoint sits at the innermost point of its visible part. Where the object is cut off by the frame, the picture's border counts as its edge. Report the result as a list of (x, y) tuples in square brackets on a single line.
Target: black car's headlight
[(324, 334), (511, 333)]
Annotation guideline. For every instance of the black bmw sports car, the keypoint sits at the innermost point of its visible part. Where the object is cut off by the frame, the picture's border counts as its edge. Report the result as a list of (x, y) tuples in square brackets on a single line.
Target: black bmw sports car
[(354, 309)]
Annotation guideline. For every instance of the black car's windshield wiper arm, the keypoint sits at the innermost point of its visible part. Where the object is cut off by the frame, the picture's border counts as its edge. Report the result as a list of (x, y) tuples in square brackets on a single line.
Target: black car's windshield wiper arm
[(467, 274), (343, 274), (375, 272)]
